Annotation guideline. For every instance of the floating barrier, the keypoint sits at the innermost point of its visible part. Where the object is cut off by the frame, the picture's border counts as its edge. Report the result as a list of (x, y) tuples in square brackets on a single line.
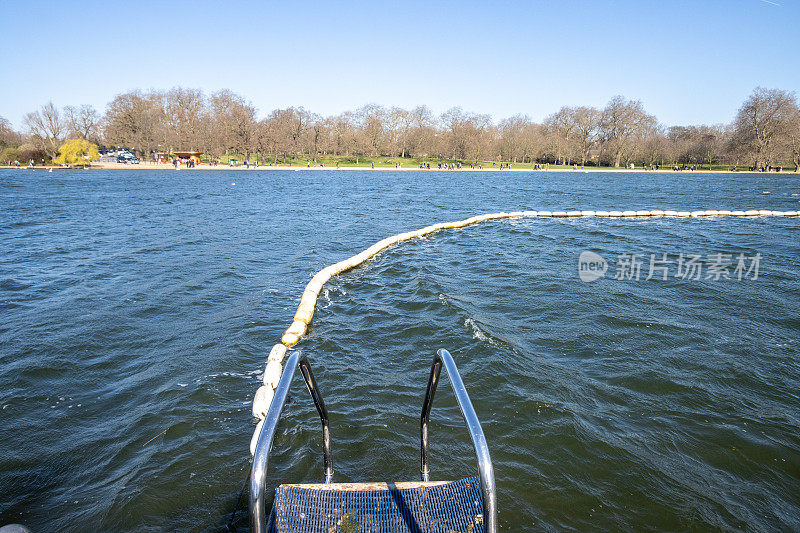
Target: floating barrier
[(262, 400), (256, 434), (272, 374), (277, 353), (308, 301)]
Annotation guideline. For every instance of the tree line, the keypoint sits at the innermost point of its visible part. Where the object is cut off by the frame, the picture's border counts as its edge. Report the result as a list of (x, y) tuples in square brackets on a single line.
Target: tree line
[(765, 132)]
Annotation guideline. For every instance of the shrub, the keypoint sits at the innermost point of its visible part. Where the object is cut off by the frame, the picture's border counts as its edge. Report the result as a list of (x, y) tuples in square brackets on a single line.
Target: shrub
[(10, 154), (77, 152)]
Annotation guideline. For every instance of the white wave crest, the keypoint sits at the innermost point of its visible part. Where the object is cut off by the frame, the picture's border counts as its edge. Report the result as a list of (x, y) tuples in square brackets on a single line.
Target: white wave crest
[(477, 332)]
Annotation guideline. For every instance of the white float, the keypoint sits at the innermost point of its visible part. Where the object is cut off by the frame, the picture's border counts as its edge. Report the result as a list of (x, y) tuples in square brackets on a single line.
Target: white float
[(272, 374), (261, 401), (254, 438), (305, 311), (298, 328), (277, 353)]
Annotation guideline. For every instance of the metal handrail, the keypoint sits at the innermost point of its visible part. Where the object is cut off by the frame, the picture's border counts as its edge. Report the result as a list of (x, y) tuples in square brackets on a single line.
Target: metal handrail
[(485, 468), (258, 470)]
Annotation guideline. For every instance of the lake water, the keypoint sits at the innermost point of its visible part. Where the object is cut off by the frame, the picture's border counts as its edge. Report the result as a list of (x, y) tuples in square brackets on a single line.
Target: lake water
[(137, 309)]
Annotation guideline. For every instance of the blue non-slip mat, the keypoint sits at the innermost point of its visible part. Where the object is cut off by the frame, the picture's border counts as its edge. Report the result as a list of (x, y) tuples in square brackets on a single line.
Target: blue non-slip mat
[(450, 507)]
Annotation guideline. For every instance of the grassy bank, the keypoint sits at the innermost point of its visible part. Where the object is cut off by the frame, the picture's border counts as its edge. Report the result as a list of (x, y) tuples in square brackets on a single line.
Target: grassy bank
[(387, 163), (413, 162)]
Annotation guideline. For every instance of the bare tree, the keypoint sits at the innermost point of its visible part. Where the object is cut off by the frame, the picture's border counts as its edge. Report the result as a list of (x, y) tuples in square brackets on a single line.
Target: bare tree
[(288, 127), (482, 136), (453, 121), (402, 124), (586, 131), (765, 132), (709, 143), (761, 122), (341, 134), (233, 123), (511, 138), (8, 136), (622, 124), (560, 130), (792, 138), (422, 135), (187, 121), (533, 142), (652, 148), (372, 122), (680, 140), (316, 130), (466, 135), (135, 120), (47, 128), (83, 121)]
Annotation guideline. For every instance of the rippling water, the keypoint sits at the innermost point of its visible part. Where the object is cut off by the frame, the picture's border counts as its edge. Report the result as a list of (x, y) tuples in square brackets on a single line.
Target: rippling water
[(137, 309)]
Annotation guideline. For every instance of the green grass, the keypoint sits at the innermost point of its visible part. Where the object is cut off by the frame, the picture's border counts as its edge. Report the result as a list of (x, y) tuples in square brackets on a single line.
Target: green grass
[(413, 162), (368, 161)]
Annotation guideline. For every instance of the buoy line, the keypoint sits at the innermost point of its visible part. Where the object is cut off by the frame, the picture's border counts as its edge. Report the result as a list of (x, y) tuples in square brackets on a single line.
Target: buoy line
[(308, 302)]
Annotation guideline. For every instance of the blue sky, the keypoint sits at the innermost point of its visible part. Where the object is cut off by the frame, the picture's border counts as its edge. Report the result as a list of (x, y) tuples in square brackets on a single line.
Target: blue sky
[(688, 61)]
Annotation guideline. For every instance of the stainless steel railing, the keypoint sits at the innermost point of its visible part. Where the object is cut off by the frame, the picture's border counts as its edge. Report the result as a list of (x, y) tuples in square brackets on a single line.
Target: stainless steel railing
[(485, 468), (258, 470)]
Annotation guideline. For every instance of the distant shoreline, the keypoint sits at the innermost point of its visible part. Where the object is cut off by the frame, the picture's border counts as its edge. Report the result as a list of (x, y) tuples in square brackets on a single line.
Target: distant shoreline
[(167, 166)]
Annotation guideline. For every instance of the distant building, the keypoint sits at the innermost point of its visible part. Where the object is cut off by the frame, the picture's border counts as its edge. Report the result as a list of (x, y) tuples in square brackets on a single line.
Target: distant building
[(193, 156), (164, 157)]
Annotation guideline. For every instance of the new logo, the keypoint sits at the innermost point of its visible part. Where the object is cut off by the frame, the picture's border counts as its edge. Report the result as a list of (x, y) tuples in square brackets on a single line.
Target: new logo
[(591, 266)]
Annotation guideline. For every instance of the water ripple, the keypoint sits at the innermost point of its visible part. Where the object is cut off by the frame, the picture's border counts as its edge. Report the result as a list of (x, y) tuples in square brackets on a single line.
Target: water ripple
[(138, 309)]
